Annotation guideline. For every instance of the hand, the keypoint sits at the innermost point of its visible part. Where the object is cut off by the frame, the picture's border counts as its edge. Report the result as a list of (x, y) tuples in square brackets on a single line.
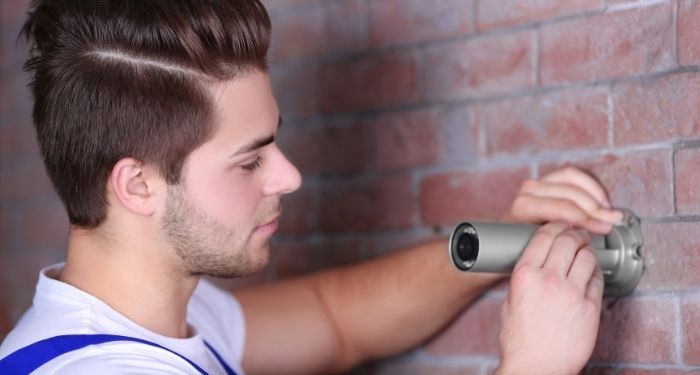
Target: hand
[(567, 194), (551, 315)]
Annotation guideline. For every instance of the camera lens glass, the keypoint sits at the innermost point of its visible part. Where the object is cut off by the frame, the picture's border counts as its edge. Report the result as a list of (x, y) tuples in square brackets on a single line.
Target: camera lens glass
[(465, 247)]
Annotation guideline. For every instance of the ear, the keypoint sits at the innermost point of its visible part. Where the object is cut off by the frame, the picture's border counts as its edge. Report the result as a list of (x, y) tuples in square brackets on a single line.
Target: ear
[(134, 186)]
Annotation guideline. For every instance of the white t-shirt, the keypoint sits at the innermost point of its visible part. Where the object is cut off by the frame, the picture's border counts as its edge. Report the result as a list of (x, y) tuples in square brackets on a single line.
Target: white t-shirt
[(61, 309)]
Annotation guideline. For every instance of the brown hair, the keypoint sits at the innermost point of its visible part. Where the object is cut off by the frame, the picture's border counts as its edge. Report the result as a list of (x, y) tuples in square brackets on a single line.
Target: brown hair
[(131, 78)]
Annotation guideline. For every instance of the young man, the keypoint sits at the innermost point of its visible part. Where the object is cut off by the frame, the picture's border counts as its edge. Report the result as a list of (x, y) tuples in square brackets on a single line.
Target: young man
[(157, 123)]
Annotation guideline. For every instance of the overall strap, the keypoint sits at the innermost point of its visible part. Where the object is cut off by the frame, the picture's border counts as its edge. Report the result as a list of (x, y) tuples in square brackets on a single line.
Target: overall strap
[(31, 357)]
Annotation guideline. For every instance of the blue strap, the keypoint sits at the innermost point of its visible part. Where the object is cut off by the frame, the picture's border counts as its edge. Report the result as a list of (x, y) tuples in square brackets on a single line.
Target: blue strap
[(31, 357)]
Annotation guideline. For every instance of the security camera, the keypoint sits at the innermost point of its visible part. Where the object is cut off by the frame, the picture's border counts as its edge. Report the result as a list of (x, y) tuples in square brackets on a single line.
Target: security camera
[(496, 247)]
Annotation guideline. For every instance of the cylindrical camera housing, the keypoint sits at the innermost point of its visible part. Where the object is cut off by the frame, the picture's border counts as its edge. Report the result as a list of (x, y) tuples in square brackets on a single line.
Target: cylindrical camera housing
[(496, 247)]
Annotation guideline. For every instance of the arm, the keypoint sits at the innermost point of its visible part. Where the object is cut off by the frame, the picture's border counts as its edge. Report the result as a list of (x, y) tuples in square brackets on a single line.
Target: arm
[(336, 319)]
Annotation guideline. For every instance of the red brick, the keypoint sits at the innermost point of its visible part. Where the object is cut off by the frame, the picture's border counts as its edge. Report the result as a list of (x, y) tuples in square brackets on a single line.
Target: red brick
[(18, 139), (640, 181), (277, 5), (637, 329), (504, 13), (6, 321), (15, 97), (327, 149), (346, 26), (395, 241), (296, 90), (406, 139), (296, 258), (23, 179), (482, 66), (598, 371), (415, 367), (611, 45), (474, 332), (297, 35), (369, 83), (242, 282), (289, 260), (687, 181), (298, 211), (459, 135), (341, 250), (671, 256), (13, 51), (457, 196), (657, 372), (13, 11), (45, 226), (656, 110), (688, 31), (386, 203), (572, 119), (406, 21), (691, 329)]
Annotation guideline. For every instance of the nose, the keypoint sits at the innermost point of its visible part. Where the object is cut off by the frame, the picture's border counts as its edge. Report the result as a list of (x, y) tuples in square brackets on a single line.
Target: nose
[(283, 177)]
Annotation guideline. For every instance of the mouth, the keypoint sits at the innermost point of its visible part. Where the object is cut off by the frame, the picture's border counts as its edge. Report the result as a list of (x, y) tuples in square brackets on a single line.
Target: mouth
[(269, 227)]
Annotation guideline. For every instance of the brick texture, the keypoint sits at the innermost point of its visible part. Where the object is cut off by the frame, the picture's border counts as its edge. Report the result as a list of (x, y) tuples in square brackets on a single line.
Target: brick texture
[(640, 180), (504, 13), (671, 256), (480, 67), (691, 327), (688, 29), (341, 148), (474, 332), (458, 196), (654, 110), (555, 121), (617, 44), (687, 181), (405, 21), (369, 83), (408, 116), (406, 140), (388, 203), (640, 329)]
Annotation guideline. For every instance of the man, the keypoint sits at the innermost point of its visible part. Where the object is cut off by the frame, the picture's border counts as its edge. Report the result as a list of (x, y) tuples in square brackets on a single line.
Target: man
[(157, 123)]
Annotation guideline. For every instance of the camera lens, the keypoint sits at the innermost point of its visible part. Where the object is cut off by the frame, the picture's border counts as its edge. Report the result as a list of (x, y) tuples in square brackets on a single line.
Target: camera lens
[(465, 247)]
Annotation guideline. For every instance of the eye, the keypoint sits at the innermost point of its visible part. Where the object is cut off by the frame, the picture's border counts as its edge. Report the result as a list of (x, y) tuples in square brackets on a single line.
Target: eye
[(252, 166)]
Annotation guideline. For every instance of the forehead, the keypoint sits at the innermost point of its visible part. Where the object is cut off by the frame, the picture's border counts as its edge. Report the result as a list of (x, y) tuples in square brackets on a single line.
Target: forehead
[(245, 106)]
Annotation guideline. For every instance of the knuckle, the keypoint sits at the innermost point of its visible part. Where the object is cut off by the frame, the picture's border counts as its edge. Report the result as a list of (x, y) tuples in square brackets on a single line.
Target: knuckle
[(587, 256), (568, 240), (570, 171), (528, 185)]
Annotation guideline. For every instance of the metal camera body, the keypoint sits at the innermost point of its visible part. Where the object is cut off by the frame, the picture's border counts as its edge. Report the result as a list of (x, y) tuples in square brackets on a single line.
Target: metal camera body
[(496, 247)]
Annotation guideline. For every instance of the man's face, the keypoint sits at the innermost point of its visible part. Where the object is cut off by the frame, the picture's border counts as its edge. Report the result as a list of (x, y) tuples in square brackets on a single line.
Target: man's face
[(219, 219)]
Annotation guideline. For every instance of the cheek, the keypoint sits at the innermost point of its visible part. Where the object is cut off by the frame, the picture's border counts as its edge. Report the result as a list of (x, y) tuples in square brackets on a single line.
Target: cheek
[(229, 198)]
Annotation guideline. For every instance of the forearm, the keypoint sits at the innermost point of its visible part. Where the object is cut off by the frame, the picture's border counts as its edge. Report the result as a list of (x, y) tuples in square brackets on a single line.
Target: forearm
[(388, 305)]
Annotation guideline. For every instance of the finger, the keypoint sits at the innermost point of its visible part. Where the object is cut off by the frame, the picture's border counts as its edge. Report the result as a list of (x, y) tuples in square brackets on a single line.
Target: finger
[(537, 250), (530, 208), (564, 249), (594, 290), (583, 268), (582, 198), (575, 176)]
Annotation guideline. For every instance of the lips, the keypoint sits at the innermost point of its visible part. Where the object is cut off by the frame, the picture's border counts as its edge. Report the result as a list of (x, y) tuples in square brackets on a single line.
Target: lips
[(269, 227)]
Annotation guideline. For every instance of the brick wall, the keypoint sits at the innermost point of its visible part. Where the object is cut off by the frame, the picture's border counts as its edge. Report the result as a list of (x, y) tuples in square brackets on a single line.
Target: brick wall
[(406, 116)]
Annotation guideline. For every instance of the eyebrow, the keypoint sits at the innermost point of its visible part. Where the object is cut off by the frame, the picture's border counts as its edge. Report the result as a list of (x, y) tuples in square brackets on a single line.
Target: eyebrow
[(258, 143)]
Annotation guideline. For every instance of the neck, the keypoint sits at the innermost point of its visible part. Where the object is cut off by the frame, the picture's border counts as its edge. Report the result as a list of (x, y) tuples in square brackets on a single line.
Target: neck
[(132, 278)]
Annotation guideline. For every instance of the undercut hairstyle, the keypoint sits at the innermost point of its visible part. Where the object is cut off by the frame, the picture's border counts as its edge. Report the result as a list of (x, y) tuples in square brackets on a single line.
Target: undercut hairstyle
[(131, 78)]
